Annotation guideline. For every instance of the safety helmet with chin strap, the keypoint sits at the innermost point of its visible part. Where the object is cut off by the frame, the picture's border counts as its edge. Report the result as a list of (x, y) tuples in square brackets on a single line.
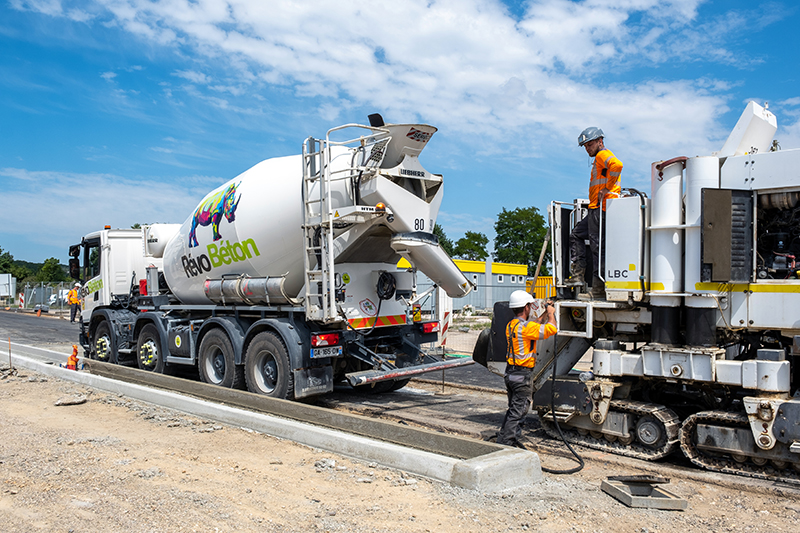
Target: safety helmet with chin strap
[(589, 134)]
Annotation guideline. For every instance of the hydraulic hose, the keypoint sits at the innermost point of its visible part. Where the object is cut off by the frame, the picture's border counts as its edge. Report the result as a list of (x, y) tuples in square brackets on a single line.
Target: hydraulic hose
[(385, 290), (555, 421)]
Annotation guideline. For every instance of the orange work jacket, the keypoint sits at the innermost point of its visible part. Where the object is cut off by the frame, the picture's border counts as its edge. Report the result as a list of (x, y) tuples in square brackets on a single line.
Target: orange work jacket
[(606, 171), (73, 296), (521, 336)]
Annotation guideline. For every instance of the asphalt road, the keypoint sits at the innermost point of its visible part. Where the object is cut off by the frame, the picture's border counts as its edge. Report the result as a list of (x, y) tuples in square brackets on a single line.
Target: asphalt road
[(44, 331)]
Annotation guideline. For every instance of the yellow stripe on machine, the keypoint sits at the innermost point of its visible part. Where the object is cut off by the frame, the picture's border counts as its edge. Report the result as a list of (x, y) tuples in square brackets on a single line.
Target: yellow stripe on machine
[(763, 287)]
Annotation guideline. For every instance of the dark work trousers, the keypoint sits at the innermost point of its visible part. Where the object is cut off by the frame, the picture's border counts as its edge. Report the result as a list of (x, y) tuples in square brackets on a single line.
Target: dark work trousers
[(74, 311), (520, 392), (588, 228)]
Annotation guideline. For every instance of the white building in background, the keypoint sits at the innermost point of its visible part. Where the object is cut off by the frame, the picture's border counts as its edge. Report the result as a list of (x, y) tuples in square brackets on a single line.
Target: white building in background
[(494, 281), (8, 286)]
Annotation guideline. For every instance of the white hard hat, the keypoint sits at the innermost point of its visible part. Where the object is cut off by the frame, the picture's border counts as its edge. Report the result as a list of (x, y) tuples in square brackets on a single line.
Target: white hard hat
[(77, 284), (519, 299)]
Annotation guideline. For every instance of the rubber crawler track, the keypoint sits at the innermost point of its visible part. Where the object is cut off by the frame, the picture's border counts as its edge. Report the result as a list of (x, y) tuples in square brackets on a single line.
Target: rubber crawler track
[(724, 463), (668, 419)]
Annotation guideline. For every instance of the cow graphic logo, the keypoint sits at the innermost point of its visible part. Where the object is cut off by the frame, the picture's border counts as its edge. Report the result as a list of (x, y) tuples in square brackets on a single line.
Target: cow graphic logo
[(212, 209)]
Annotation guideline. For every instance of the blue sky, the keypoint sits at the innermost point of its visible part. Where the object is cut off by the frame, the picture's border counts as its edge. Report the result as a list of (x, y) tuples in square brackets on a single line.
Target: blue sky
[(123, 111)]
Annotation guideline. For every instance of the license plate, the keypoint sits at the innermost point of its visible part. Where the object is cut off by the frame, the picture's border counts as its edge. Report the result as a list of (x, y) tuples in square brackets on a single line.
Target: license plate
[(327, 351)]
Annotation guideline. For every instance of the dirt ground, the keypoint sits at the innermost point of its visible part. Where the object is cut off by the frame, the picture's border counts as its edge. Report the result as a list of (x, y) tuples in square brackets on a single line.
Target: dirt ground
[(112, 465)]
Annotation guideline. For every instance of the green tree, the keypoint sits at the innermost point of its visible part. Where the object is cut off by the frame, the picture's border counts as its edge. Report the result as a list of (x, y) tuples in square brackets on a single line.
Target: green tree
[(51, 271), (472, 246), (520, 236), (9, 266), (444, 242)]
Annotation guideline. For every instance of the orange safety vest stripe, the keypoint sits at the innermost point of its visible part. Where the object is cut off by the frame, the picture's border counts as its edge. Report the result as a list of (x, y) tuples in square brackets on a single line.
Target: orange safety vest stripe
[(606, 172), (521, 338), (72, 297)]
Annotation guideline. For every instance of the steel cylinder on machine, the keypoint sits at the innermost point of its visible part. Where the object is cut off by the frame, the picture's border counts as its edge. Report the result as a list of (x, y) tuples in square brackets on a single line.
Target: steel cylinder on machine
[(666, 249), (246, 290), (701, 311)]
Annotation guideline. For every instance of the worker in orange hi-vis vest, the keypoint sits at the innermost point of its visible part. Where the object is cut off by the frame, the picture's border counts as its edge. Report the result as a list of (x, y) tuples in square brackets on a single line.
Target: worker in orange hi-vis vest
[(72, 362), (603, 184), (521, 335), (74, 300)]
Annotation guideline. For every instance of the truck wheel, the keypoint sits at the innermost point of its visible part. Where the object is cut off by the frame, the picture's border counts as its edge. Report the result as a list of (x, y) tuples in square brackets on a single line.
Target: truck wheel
[(399, 384), (148, 350), (102, 345), (379, 387), (215, 361), (267, 369)]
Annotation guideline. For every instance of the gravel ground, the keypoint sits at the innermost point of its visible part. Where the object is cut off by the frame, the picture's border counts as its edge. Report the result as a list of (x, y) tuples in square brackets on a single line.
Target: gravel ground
[(101, 462)]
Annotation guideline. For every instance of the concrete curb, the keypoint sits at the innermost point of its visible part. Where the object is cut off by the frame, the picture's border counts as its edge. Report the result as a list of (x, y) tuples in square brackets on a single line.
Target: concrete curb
[(497, 471)]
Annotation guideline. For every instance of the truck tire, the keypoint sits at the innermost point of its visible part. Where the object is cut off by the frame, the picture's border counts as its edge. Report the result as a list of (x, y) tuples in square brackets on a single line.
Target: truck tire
[(148, 350), (216, 361), (102, 344), (267, 368), (379, 387)]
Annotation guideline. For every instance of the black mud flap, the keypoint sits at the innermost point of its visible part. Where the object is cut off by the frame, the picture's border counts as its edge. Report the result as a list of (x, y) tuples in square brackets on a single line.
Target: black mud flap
[(312, 381), (483, 347)]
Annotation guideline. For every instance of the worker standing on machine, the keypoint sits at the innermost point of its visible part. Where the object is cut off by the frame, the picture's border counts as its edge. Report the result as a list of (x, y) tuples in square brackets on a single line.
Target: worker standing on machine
[(604, 184), (521, 335)]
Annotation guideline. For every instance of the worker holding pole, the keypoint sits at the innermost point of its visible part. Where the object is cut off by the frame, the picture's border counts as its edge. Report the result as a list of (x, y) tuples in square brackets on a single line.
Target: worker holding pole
[(521, 335)]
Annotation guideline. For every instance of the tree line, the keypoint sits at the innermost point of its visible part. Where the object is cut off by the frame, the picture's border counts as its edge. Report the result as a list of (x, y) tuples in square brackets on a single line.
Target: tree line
[(520, 234), (25, 272)]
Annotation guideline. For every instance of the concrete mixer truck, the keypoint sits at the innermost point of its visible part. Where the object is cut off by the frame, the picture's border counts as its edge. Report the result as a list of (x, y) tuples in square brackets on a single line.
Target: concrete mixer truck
[(695, 348), (283, 280)]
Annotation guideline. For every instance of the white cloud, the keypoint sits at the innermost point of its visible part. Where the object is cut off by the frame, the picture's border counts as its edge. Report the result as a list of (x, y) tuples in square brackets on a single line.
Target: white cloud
[(53, 8), (108, 76), (521, 86), (101, 199), (462, 64), (192, 76)]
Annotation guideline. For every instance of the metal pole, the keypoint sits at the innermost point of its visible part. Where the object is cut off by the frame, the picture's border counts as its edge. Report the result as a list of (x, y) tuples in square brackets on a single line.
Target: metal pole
[(539, 264)]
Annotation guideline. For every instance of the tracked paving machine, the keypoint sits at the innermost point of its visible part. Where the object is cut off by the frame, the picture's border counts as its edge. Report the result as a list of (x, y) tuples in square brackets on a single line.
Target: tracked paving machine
[(696, 347)]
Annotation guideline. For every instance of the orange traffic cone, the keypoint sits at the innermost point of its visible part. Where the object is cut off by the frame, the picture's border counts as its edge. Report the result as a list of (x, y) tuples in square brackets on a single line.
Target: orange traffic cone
[(72, 362)]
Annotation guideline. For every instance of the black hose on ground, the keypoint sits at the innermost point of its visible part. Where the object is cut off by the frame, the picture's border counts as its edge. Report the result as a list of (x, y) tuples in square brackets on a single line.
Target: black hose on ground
[(558, 427)]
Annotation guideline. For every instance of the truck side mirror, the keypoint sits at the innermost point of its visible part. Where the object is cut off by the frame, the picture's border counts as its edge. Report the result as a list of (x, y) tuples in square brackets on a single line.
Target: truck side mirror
[(74, 268), (75, 250)]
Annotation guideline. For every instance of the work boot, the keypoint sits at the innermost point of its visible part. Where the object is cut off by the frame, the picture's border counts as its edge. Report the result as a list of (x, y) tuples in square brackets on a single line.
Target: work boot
[(598, 289), (576, 280)]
